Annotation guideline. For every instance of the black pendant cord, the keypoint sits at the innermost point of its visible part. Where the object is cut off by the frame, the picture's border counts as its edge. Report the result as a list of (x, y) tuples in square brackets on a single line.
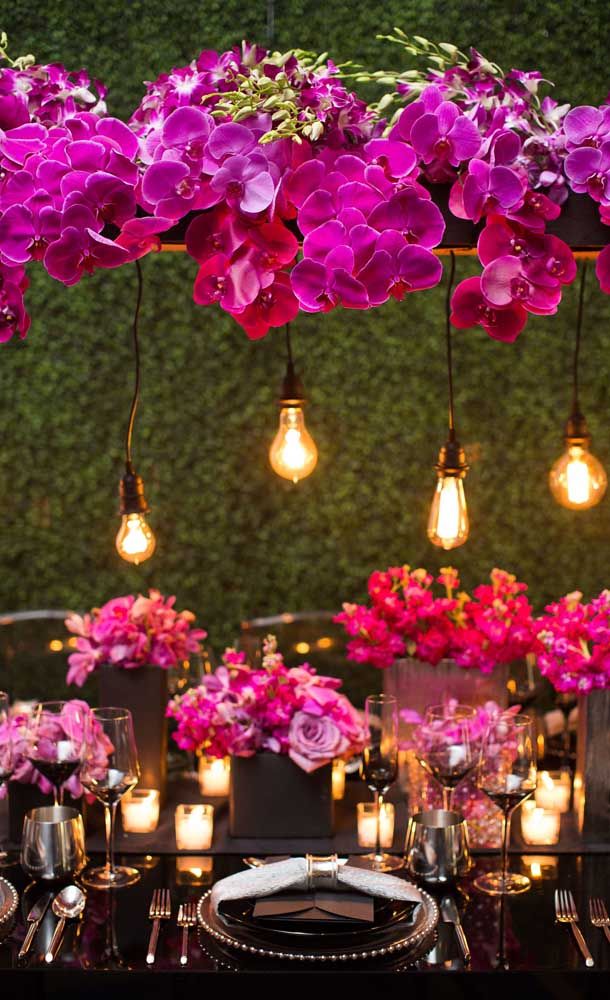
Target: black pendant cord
[(579, 316), (289, 357), (136, 389), (449, 354)]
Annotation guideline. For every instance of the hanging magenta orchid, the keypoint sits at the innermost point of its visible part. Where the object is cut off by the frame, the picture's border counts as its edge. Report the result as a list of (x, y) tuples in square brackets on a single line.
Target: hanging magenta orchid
[(297, 195)]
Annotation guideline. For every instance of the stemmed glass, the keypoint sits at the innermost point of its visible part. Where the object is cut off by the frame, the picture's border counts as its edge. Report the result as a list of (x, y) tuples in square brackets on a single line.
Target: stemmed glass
[(380, 765), (55, 740), (507, 774), (110, 770), (444, 745), (6, 752)]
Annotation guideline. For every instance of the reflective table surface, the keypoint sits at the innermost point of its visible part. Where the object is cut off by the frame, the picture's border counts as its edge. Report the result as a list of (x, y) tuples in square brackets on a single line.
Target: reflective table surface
[(515, 938)]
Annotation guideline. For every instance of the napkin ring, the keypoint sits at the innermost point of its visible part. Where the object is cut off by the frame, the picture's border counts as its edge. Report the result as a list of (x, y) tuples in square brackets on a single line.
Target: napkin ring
[(322, 871)]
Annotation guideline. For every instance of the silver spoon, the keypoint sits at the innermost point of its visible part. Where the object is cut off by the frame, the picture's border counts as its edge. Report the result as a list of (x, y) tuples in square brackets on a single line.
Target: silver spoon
[(67, 905)]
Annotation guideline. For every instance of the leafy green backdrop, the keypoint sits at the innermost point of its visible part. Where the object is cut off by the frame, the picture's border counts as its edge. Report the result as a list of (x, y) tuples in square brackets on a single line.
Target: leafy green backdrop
[(233, 540)]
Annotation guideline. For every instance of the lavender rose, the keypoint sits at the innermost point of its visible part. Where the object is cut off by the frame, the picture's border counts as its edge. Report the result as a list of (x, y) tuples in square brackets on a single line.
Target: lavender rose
[(314, 740)]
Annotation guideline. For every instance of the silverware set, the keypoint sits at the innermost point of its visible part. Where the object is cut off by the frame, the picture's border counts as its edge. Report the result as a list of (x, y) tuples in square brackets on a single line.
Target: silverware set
[(161, 910), (566, 913), (66, 905)]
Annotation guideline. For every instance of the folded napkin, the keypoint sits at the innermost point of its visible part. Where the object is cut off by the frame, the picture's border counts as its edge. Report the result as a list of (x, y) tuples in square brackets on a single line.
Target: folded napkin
[(309, 874), (344, 907)]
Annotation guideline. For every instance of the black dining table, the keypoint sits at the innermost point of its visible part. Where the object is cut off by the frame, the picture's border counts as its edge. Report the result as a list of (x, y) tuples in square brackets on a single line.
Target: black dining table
[(517, 947)]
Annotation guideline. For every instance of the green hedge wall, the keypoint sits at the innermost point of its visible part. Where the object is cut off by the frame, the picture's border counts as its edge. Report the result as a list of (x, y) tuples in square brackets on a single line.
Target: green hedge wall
[(233, 540)]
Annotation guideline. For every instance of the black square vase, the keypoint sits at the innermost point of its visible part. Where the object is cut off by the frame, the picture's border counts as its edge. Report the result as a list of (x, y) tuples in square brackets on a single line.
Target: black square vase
[(272, 797), (144, 692)]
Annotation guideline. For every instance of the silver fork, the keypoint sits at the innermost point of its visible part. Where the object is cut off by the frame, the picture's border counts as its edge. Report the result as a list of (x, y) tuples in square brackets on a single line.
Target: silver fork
[(187, 918), (598, 915), (160, 909), (566, 913)]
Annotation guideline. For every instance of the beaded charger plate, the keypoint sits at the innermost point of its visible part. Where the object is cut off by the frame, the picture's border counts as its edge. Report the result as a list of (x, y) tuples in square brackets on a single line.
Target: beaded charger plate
[(399, 936), (8, 904)]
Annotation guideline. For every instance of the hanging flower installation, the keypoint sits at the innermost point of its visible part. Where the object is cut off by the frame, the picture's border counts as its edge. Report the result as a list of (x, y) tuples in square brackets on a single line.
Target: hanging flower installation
[(574, 640), (303, 197)]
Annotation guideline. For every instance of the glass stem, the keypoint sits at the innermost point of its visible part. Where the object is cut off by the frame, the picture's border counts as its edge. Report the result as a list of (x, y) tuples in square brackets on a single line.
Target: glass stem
[(447, 797), (505, 836), (56, 795), (378, 805), (109, 817)]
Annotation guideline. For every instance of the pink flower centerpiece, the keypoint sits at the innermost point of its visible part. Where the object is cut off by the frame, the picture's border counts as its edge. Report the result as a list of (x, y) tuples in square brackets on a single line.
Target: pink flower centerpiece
[(240, 711), (574, 638), (132, 632), (406, 617)]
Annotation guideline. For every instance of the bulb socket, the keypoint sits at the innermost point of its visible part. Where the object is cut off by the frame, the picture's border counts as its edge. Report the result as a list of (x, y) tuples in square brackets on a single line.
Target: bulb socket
[(576, 429), (452, 460), (292, 392), (131, 494)]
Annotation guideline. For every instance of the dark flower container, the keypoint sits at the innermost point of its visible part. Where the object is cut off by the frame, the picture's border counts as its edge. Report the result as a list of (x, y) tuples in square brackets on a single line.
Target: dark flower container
[(272, 797), (144, 692)]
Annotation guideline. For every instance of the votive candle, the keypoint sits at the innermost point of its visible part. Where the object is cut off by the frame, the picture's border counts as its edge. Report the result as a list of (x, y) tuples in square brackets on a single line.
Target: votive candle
[(553, 790), (194, 827), (140, 810), (539, 826), (214, 776), (367, 824), (338, 779)]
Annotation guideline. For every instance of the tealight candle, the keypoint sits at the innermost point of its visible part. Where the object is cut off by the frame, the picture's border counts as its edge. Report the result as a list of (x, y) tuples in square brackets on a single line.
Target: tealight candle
[(338, 779), (194, 826), (194, 869), (214, 776), (539, 826), (367, 824), (140, 810), (553, 790)]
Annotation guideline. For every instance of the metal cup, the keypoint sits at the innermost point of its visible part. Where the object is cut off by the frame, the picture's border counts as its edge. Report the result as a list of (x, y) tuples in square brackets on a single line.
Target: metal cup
[(53, 843), (436, 847)]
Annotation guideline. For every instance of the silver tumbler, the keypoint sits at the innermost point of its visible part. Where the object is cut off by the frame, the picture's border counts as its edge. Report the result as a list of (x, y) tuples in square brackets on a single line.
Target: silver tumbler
[(437, 846), (53, 843)]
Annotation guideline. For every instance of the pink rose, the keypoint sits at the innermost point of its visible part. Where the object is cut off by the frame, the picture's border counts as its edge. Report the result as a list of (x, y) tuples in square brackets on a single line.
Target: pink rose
[(314, 741)]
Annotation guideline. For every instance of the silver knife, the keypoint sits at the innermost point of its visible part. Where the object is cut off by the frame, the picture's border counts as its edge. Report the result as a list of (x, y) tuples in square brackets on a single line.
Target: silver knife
[(450, 915), (33, 919)]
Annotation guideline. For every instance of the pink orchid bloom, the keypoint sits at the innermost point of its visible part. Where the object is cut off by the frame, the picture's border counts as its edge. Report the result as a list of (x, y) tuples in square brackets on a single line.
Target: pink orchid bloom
[(506, 281), (469, 308), (445, 134), (275, 305), (27, 230), (488, 189)]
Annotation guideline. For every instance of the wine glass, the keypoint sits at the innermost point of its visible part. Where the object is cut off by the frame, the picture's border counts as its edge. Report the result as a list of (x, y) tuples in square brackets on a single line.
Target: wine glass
[(507, 774), (6, 752), (110, 769), (380, 765), (55, 740), (444, 745)]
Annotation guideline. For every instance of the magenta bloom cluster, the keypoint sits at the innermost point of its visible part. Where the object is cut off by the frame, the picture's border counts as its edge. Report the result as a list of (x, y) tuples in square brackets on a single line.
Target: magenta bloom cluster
[(240, 711), (131, 632), (304, 198), (72, 722), (574, 640), (407, 617)]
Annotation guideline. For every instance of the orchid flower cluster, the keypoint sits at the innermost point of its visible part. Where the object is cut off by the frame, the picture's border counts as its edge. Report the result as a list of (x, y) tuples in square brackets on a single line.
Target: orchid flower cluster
[(304, 198), (131, 632), (75, 714), (574, 643), (407, 618), (239, 711), (485, 716)]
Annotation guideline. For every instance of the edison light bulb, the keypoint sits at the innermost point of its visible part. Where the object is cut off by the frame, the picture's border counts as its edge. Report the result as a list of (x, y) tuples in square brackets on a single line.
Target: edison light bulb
[(577, 479), (135, 541), (293, 453), (448, 522)]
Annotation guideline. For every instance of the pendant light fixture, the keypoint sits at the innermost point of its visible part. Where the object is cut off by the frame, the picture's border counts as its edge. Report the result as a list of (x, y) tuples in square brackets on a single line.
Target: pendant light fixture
[(577, 479), (293, 453), (448, 521), (135, 541)]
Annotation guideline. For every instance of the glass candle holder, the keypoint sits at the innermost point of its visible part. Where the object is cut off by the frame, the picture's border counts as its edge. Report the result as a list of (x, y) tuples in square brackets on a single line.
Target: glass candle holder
[(214, 776), (554, 790), (140, 810), (367, 824), (194, 827), (539, 826), (338, 779), (193, 869)]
